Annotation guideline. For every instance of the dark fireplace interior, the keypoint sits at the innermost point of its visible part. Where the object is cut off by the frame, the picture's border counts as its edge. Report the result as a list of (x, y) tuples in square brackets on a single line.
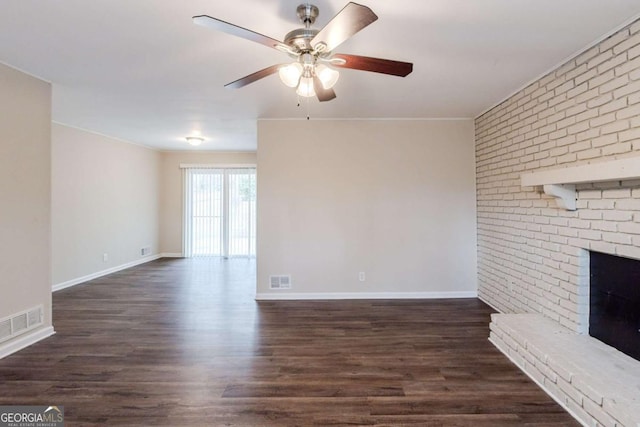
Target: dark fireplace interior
[(614, 308)]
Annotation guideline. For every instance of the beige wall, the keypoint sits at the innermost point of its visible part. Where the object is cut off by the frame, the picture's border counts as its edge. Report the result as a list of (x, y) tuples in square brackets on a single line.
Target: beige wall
[(171, 195), (25, 207), (533, 255), (393, 199), (105, 199)]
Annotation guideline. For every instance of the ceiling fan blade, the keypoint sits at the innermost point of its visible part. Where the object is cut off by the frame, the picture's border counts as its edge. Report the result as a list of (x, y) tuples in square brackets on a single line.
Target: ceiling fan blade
[(376, 65), (351, 19), (234, 30), (322, 93), (254, 77)]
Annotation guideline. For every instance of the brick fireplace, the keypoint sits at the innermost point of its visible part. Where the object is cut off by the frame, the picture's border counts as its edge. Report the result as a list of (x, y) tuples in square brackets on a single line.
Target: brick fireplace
[(614, 302), (533, 261)]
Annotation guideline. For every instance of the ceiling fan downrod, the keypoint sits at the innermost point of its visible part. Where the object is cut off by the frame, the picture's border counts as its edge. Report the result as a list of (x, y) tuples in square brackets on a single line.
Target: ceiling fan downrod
[(300, 38)]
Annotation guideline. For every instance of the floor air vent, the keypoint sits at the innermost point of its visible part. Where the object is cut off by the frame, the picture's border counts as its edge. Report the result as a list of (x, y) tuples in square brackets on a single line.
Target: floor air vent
[(20, 323), (280, 282)]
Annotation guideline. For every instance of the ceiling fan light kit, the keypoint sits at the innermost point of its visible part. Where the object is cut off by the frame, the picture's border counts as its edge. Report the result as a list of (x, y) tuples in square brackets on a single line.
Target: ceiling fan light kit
[(300, 75), (311, 73)]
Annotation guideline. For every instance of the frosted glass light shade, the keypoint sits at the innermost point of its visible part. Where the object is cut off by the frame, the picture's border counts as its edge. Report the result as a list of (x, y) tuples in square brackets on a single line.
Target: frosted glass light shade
[(328, 76), (290, 74), (305, 88), (194, 140)]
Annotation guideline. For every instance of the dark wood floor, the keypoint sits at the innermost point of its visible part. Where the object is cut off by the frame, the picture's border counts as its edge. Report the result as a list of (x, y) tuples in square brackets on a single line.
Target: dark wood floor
[(182, 343)]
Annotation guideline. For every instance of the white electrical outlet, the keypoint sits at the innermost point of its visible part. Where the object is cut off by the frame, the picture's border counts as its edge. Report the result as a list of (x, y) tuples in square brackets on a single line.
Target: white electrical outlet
[(105, 257), (361, 276)]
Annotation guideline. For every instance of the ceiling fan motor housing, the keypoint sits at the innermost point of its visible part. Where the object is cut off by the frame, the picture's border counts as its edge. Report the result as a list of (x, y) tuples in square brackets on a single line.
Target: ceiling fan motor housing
[(300, 39)]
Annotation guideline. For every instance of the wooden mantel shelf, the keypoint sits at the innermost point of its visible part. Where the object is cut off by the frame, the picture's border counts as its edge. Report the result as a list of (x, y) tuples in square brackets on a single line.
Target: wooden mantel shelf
[(561, 183)]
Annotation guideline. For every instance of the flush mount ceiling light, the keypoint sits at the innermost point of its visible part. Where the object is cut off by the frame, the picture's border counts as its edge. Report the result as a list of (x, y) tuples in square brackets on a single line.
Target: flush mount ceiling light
[(311, 72), (195, 140)]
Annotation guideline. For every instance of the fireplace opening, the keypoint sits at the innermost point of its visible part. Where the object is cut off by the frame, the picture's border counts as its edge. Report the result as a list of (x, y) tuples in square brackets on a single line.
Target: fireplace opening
[(614, 305)]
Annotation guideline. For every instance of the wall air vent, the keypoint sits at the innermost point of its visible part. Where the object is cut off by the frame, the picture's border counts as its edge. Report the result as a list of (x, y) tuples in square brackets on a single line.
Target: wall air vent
[(20, 323), (279, 282), (35, 316), (5, 329)]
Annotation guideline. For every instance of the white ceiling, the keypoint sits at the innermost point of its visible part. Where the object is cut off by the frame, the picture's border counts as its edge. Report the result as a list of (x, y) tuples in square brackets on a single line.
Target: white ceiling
[(141, 71)]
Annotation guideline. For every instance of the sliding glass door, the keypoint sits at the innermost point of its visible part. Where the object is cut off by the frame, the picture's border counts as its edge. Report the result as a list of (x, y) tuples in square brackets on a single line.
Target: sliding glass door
[(219, 212), (241, 224)]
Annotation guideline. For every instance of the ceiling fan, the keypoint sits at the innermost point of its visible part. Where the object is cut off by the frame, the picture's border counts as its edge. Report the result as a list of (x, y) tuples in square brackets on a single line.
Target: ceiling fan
[(311, 72)]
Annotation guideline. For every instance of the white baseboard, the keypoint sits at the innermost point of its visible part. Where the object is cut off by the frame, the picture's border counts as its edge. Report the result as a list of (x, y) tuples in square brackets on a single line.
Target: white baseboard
[(262, 296), (23, 341), (171, 255), (77, 281)]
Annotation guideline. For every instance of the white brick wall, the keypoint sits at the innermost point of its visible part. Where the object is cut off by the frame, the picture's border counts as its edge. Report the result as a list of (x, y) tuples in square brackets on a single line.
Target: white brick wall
[(532, 255)]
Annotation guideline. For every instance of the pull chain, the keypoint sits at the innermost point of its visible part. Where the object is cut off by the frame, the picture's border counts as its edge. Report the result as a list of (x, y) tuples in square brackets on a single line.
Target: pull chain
[(307, 105)]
